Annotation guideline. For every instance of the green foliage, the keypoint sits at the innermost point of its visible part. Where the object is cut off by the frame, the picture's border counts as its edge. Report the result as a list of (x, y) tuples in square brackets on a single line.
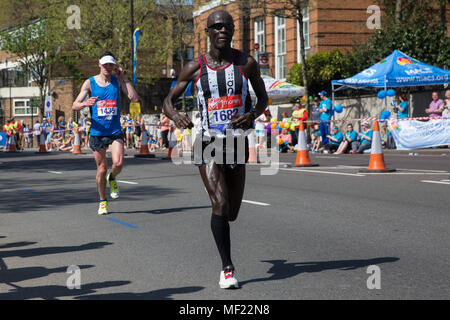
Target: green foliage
[(419, 33), (322, 68)]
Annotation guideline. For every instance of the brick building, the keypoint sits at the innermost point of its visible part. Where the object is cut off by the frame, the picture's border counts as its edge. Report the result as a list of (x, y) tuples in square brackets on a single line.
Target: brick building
[(328, 25)]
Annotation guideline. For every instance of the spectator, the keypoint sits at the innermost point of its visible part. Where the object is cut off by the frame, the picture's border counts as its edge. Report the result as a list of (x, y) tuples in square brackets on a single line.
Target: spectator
[(62, 126), (446, 105), (315, 138), (21, 144), (325, 108), (434, 109), (365, 137), (268, 129), (67, 145), (335, 139), (37, 132), (26, 135), (260, 128), (299, 114), (402, 107), (165, 123), (138, 120), (315, 113), (49, 137), (129, 131), (350, 141), (152, 143), (285, 141)]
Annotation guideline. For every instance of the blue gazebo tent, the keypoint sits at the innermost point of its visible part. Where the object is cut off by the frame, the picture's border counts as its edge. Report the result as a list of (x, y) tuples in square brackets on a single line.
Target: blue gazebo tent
[(396, 70)]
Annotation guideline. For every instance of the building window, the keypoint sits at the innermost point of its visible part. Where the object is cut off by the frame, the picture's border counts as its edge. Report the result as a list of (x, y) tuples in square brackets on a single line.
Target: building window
[(22, 107), (305, 34), (260, 34), (15, 77), (280, 47)]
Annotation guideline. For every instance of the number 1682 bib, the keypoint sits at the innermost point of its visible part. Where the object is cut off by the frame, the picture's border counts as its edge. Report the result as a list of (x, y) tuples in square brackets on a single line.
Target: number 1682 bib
[(222, 109)]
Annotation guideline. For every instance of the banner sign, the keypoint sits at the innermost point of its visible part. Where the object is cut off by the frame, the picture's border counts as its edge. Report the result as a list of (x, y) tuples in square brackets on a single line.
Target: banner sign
[(3, 139), (413, 134), (135, 109), (135, 49)]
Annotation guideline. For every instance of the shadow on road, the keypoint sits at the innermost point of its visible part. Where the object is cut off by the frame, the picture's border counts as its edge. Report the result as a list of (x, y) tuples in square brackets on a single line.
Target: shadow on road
[(26, 253), (54, 292), (161, 294), (282, 270), (168, 210)]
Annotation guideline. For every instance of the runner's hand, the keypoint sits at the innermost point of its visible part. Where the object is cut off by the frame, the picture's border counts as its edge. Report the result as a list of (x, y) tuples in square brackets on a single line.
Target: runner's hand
[(244, 121), (91, 101), (182, 121)]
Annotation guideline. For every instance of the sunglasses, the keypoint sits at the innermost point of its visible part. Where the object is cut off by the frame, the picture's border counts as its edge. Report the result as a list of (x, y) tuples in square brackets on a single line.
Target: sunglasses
[(220, 26)]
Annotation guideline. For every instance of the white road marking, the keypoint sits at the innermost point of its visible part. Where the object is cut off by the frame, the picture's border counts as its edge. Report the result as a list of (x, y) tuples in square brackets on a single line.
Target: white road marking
[(327, 172), (438, 182), (55, 172), (257, 203), (126, 182)]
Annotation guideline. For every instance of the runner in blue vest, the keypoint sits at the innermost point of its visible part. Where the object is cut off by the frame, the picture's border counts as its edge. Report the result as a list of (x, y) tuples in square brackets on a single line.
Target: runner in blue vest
[(104, 104)]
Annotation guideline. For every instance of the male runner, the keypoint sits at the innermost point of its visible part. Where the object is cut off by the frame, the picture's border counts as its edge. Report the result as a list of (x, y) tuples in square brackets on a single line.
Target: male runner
[(105, 130), (221, 79)]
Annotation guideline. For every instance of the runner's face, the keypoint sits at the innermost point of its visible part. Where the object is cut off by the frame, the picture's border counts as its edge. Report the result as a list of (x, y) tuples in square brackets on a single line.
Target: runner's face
[(107, 68), (220, 30)]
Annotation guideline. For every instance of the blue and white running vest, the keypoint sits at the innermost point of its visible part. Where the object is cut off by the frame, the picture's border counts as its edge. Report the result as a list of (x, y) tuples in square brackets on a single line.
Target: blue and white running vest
[(105, 114)]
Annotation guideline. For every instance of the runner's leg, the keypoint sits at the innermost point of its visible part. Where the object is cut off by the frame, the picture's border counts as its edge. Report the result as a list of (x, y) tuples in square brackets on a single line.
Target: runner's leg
[(102, 168), (117, 157)]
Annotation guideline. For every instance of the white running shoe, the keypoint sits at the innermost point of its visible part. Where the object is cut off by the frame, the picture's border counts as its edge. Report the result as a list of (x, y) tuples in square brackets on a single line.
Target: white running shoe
[(228, 279), (114, 188), (103, 208)]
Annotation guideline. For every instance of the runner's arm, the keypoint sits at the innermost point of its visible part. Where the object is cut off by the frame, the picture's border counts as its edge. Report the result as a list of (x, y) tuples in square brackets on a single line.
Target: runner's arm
[(125, 85), (252, 72), (188, 74), (79, 102)]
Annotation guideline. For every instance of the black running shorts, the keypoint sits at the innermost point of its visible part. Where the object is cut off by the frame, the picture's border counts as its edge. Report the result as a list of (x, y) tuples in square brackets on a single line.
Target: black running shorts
[(98, 142)]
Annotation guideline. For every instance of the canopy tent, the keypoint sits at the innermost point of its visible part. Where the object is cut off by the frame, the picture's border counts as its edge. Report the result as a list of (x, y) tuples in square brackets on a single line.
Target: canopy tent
[(279, 91), (396, 70)]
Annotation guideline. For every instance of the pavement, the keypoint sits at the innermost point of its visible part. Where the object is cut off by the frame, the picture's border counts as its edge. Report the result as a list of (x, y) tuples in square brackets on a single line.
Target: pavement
[(328, 232)]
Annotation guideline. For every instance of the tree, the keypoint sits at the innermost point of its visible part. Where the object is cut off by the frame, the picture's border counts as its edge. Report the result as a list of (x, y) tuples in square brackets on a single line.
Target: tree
[(105, 26), (415, 27), (34, 42), (322, 68)]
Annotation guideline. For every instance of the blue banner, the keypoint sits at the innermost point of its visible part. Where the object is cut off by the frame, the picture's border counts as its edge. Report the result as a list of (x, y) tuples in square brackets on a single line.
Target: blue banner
[(3, 139), (136, 34), (414, 134)]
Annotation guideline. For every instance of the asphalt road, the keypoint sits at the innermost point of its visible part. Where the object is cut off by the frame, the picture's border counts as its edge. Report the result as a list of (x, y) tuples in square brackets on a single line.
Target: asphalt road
[(303, 233)]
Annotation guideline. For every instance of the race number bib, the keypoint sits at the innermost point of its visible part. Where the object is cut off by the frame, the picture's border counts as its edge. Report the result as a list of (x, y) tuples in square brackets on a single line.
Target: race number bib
[(222, 109), (106, 109)]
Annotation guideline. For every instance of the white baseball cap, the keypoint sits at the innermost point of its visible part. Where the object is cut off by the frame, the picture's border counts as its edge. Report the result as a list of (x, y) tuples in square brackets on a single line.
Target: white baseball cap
[(107, 59)]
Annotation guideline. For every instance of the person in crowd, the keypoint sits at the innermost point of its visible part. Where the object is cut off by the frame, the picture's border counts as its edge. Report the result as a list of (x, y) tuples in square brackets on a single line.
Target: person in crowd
[(435, 107), (325, 109), (37, 132), (260, 128), (268, 129), (365, 138), (129, 124), (315, 138), (67, 144), (26, 135), (315, 113), (62, 126), (446, 105), (152, 143), (48, 139), (350, 141), (284, 140), (165, 123), (335, 139), (402, 106), (138, 122), (299, 114)]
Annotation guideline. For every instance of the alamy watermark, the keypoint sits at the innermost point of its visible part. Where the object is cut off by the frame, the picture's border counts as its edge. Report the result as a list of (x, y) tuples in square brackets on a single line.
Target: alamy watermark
[(229, 148), (374, 21), (374, 280), (74, 20), (74, 280)]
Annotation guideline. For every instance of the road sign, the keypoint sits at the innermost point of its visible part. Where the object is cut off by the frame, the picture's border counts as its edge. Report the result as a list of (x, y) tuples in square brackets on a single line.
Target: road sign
[(264, 59)]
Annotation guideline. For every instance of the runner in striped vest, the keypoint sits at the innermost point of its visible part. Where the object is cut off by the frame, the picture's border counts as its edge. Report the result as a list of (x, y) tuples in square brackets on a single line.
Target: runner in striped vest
[(220, 78)]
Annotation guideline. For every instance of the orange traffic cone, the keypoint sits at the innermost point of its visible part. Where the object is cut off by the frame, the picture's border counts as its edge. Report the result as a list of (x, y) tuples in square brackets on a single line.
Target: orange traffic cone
[(42, 148), (376, 163), (143, 151), (77, 143), (302, 150), (12, 144), (252, 156)]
